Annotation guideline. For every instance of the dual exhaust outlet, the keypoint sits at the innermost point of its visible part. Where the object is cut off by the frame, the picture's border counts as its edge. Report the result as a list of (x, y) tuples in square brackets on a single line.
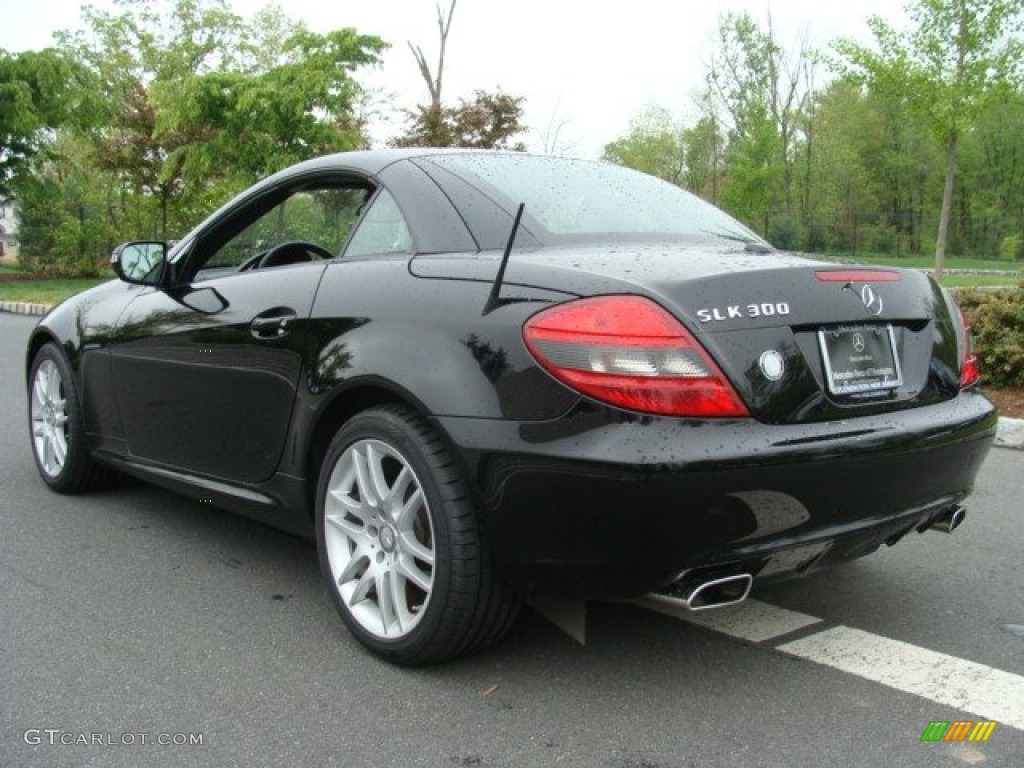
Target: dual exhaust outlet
[(699, 592)]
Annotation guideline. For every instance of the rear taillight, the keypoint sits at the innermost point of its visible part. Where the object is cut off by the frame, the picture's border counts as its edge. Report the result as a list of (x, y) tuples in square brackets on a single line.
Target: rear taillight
[(629, 352), (970, 370)]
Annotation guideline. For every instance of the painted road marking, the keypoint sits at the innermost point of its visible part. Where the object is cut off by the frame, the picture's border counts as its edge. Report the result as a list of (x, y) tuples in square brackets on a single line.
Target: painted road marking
[(750, 620), (982, 690), (989, 693)]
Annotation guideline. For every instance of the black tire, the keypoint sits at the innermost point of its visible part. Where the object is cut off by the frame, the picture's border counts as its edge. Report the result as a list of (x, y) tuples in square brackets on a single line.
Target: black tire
[(466, 605), (77, 472)]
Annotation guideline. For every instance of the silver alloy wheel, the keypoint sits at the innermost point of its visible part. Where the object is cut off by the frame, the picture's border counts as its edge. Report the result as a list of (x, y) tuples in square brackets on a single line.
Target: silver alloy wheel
[(49, 418), (379, 538)]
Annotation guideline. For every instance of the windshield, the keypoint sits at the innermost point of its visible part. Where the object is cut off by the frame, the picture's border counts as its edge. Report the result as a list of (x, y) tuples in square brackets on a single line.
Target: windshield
[(583, 199)]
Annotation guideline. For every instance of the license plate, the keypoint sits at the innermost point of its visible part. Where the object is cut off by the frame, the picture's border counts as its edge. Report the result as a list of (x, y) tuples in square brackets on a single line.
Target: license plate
[(860, 359)]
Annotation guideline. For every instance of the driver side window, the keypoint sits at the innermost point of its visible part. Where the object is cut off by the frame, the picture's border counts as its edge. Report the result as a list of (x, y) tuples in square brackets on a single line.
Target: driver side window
[(310, 224)]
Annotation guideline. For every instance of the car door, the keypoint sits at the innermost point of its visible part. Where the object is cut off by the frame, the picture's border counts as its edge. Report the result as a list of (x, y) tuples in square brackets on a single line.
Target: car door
[(206, 374)]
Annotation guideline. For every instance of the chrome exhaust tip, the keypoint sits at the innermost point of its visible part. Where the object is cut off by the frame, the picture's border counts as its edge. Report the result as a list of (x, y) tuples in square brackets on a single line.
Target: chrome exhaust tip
[(949, 520), (710, 593)]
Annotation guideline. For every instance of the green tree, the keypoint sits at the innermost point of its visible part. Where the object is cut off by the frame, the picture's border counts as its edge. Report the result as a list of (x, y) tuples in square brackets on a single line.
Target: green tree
[(39, 92), (200, 103), (991, 174), (703, 145), (958, 57), (64, 227), (654, 144), (245, 123), (841, 192), (662, 146), (132, 51), (184, 104), (752, 173), (761, 88)]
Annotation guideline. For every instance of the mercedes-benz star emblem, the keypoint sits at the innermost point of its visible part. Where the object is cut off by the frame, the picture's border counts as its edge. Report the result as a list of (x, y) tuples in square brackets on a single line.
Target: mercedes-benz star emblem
[(872, 301), (772, 364), (858, 343)]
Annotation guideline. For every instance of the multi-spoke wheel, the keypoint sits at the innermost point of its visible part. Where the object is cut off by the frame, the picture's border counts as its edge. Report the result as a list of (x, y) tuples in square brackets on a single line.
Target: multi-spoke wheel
[(55, 420), (400, 545), (49, 418), (379, 538)]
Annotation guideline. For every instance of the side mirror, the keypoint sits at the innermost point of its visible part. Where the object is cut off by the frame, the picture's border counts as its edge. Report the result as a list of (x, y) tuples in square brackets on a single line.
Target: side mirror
[(141, 262)]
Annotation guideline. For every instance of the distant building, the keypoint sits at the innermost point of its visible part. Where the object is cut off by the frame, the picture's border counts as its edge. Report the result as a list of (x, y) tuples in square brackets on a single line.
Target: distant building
[(8, 230)]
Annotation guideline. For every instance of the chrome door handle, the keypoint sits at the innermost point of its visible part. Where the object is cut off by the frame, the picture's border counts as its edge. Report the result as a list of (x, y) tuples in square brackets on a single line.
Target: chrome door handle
[(273, 324)]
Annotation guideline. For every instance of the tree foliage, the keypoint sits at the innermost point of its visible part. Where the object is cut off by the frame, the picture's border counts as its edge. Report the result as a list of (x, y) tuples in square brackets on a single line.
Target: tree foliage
[(489, 120), (40, 91), (160, 109), (168, 107), (760, 88), (655, 144), (857, 162), (959, 58)]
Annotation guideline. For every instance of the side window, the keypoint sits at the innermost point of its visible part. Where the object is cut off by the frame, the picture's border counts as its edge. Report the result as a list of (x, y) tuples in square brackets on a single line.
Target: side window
[(309, 224), (383, 229)]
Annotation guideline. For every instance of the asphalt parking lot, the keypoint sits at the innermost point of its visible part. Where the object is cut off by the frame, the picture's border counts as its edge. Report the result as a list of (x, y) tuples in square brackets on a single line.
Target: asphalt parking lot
[(134, 616)]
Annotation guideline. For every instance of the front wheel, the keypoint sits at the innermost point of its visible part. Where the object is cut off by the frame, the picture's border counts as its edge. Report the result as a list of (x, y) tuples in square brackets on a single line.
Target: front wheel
[(58, 428), (400, 544)]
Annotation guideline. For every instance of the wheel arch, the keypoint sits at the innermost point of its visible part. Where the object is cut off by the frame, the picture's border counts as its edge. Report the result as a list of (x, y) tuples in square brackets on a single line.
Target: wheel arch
[(41, 336), (347, 401)]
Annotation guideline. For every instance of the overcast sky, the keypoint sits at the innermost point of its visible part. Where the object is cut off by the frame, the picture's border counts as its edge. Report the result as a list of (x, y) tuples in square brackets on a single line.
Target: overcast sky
[(586, 65)]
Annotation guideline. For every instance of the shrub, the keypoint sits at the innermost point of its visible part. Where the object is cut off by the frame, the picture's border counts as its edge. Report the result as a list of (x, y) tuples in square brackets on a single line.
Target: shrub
[(997, 322), (881, 239), (784, 232), (1011, 248), (816, 238)]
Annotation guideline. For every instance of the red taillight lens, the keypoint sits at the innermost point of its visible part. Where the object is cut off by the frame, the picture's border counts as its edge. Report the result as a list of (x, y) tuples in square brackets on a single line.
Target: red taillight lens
[(629, 352), (970, 369)]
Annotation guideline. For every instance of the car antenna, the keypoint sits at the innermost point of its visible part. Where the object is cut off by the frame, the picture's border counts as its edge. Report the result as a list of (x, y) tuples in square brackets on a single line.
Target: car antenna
[(493, 302)]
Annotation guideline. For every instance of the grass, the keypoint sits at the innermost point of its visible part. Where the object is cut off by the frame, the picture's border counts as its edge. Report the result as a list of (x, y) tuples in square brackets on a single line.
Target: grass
[(980, 281), (950, 281), (928, 262), (46, 291)]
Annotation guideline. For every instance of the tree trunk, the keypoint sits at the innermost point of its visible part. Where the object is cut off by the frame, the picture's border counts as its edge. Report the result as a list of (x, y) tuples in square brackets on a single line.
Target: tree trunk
[(947, 203), (714, 158), (164, 194)]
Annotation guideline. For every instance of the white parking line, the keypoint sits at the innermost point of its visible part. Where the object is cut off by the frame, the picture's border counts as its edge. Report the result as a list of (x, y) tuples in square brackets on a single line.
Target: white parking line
[(984, 691), (750, 620)]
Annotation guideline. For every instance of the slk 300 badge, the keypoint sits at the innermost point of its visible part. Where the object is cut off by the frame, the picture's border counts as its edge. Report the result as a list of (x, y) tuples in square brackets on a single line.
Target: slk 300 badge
[(739, 311)]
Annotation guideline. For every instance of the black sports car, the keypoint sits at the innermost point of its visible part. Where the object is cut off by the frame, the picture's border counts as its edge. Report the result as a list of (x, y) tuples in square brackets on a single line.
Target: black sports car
[(475, 375)]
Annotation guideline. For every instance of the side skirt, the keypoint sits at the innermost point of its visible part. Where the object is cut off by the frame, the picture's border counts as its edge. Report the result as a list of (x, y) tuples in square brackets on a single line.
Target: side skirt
[(280, 502)]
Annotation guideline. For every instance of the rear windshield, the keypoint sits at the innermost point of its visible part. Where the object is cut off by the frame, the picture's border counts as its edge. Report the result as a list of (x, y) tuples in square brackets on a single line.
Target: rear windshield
[(582, 199)]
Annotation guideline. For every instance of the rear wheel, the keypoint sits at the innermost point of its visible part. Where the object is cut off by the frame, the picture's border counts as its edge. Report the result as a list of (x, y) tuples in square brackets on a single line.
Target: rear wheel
[(400, 544), (57, 427)]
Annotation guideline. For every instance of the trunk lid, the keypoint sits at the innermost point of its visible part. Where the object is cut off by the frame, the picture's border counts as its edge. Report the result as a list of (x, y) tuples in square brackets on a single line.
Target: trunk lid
[(801, 340)]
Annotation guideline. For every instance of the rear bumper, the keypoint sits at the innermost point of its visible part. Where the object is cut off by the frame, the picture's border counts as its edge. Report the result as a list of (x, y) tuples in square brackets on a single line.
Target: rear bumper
[(603, 504)]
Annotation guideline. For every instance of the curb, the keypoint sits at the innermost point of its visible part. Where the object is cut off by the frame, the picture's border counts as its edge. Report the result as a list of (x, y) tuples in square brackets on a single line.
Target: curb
[(1009, 433), (24, 308)]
